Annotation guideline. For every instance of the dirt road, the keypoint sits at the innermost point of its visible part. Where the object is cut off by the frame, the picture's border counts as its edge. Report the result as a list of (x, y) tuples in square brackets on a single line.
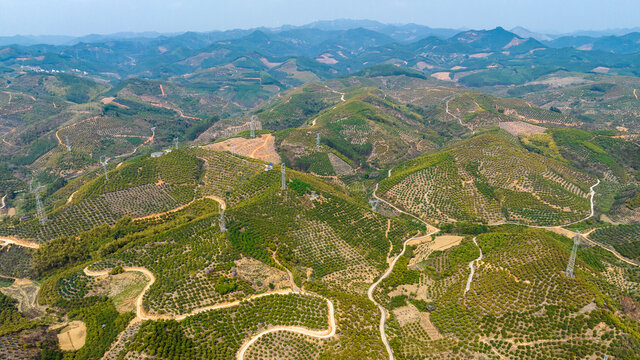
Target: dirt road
[(20, 242), (383, 311), (472, 268)]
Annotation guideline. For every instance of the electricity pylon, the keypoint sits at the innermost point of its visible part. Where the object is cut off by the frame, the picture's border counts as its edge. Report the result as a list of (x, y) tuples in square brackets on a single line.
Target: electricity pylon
[(42, 215), (284, 177), (374, 204), (103, 161), (572, 257), (222, 222)]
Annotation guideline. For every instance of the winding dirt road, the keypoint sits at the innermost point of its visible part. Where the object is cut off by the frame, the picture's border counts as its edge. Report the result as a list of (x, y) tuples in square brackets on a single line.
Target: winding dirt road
[(319, 334), (372, 288), (472, 268), (455, 117), (142, 314)]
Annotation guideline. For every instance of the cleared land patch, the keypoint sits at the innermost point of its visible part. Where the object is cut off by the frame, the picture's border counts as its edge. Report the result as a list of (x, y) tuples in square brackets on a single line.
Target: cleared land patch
[(261, 148), (73, 336), (516, 128)]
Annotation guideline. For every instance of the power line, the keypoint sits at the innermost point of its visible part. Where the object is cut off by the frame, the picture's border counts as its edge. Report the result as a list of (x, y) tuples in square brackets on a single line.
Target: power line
[(572, 257), (68, 145), (42, 215), (222, 222), (103, 161), (284, 177), (253, 126)]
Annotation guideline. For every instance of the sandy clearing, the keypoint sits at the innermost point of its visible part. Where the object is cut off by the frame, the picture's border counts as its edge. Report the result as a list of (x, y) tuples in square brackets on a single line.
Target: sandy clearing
[(261, 148), (71, 196), (73, 336), (442, 75), (162, 91), (107, 100), (480, 55), (514, 42), (269, 64), (516, 128), (445, 241), (3, 203), (634, 94), (421, 65), (327, 58)]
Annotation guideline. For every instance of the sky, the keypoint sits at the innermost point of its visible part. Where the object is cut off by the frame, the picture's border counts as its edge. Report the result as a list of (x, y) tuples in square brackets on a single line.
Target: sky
[(81, 17)]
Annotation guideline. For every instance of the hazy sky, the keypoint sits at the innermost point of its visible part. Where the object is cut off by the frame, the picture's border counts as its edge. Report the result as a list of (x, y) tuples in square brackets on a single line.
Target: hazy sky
[(80, 17)]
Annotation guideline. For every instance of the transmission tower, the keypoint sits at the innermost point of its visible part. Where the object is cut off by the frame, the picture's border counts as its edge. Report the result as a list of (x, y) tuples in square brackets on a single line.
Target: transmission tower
[(253, 127), (42, 215), (66, 138), (318, 139), (103, 161), (175, 142), (374, 204), (284, 177), (222, 222), (572, 257)]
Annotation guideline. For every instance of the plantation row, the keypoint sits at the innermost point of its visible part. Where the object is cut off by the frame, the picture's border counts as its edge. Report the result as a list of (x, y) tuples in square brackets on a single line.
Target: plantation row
[(501, 315), (218, 334), (489, 179), (192, 264), (624, 238), (107, 208)]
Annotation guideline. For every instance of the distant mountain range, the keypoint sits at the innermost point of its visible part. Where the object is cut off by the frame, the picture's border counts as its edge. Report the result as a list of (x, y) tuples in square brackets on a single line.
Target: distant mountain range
[(399, 32), (330, 49)]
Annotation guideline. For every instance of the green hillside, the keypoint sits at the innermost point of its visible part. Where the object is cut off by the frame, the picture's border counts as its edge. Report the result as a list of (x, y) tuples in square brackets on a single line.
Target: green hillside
[(489, 178), (519, 303)]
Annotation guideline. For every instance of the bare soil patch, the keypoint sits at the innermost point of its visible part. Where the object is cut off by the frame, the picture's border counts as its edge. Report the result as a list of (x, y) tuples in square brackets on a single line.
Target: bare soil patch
[(327, 58), (123, 288), (261, 275), (442, 75), (479, 55), (445, 242), (268, 63), (261, 148), (26, 292), (73, 336), (516, 128)]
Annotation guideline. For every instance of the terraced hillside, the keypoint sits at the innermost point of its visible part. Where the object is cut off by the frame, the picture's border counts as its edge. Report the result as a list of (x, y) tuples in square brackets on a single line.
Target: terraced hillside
[(517, 303), (489, 178), (600, 101), (140, 188), (312, 235)]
